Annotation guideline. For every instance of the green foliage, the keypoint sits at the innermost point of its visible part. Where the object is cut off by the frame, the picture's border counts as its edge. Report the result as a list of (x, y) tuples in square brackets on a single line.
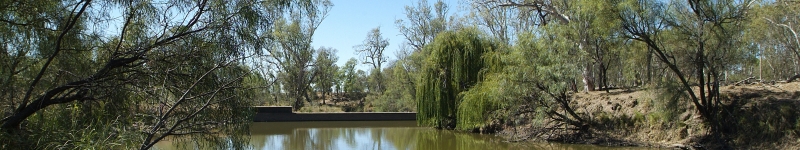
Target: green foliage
[(375, 81), (480, 102), (325, 70), (683, 50), (697, 47), (771, 32), (454, 66), (422, 22), (352, 80), (292, 48), (553, 60), (399, 97), (74, 77), (668, 103)]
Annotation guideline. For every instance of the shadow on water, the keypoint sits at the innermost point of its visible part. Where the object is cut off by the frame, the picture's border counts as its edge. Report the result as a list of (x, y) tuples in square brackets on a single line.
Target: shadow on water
[(384, 135)]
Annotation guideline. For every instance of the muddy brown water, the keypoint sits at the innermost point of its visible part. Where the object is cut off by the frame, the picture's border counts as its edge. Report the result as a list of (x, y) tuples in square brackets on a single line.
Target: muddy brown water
[(380, 135)]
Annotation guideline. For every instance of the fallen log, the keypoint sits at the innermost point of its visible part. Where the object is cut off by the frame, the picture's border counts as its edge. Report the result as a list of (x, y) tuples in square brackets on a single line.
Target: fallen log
[(745, 81), (793, 78)]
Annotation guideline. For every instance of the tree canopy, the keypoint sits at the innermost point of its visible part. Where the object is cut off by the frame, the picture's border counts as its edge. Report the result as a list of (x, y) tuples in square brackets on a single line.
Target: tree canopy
[(454, 66), (126, 74)]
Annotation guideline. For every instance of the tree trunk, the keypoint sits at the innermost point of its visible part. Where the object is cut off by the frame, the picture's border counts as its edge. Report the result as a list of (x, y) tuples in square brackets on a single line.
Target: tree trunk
[(649, 65), (588, 80), (324, 97), (604, 77), (13, 121)]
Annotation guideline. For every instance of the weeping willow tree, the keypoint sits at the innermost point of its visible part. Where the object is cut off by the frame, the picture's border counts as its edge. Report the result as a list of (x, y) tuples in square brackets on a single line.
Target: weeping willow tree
[(456, 63), (479, 103)]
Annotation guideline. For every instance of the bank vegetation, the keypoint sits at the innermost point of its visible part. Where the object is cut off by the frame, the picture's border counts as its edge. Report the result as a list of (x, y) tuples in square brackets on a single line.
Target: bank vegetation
[(127, 74)]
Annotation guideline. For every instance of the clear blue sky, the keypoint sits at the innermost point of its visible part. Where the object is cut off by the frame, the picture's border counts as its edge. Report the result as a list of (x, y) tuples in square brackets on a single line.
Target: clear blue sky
[(349, 21)]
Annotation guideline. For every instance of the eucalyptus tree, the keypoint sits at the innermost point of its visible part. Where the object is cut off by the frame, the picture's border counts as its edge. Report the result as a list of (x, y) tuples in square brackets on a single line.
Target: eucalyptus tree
[(773, 31), (696, 46), (503, 24), (423, 23), (496, 21), (292, 52), (349, 77), (93, 74), (372, 49), (361, 81), (400, 95), (326, 70), (372, 53), (587, 24), (555, 43)]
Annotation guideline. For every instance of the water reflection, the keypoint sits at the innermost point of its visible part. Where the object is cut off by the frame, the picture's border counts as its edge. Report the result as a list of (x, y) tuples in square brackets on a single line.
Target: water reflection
[(334, 135), (383, 135)]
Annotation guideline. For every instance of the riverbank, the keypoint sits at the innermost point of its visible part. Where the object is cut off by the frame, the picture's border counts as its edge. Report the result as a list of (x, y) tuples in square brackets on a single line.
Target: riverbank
[(758, 116)]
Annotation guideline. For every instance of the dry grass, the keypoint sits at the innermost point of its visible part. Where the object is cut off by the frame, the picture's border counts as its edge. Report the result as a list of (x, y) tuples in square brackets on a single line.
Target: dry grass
[(767, 112), (321, 108)]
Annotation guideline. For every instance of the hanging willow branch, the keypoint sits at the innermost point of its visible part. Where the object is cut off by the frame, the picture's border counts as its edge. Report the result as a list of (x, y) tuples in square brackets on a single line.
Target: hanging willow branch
[(454, 66)]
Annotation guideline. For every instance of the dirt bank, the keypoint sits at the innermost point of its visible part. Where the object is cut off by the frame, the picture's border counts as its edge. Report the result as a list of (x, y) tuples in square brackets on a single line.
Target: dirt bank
[(756, 116)]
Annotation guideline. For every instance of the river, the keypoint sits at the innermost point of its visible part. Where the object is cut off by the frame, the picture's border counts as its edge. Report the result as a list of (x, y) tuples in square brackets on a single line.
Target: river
[(380, 135)]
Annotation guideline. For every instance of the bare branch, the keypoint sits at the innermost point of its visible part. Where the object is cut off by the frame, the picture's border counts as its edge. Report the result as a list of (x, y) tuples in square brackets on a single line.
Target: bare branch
[(794, 34), (537, 5)]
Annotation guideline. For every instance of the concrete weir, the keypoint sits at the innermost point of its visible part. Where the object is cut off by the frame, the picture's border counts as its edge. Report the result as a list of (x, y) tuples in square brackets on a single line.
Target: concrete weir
[(285, 114)]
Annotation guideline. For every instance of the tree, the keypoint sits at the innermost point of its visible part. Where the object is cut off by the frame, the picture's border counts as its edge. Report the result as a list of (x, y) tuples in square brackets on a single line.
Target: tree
[(69, 72), (422, 23), (454, 66), (695, 46), (772, 28), (422, 26), (398, 98), (372, 49), (578, 21), (372, 53), (325, 70), (549, 79), (350, 78), (360, 83), (503, 24), (292, 51)]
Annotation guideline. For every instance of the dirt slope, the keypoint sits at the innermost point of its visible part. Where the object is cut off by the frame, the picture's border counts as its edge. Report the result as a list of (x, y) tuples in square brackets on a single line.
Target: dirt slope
[(758, 116)]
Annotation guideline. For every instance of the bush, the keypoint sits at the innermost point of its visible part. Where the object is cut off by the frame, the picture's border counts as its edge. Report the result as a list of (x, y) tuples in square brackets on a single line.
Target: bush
[(477, 104), (668, 103)]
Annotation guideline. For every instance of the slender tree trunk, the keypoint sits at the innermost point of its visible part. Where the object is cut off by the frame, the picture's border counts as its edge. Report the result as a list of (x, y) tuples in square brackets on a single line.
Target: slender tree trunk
[(588, 80), (605, 78), (324, 97), (649, 65), (588, 76)]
